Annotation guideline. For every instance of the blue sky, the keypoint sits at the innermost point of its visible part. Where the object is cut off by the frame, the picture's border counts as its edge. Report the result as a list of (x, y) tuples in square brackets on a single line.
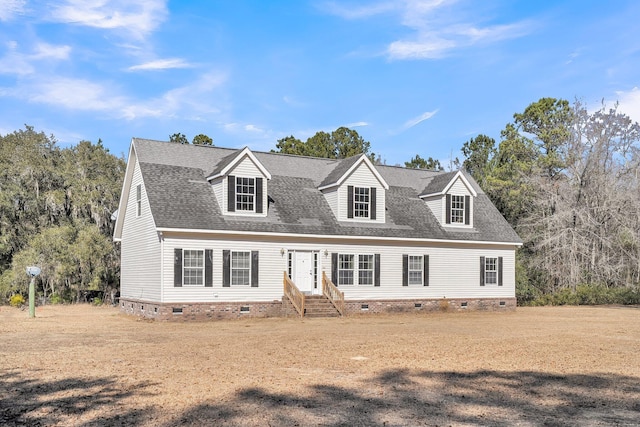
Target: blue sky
[(412, 77)]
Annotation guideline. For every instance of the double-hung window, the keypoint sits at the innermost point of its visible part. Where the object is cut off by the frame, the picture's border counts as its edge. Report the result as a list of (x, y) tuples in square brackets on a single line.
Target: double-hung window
[(193, 267), (241, 268), (415, 270), (457, 209), (245, 194), (365, 269), (361, 202), (491, 271), (345, 269)]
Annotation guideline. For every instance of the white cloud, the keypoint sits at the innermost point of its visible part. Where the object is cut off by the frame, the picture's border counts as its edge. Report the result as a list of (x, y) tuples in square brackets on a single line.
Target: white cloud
[(73, 94), (437, 27), (629, 103), (10, 8), (421, 118), (346, 12), (137, 18), (161, 64), (357, 124), (21, 64)]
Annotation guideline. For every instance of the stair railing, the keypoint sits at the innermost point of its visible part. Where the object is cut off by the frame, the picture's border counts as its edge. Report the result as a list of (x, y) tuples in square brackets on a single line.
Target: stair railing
[(292, 292), (333, 294)]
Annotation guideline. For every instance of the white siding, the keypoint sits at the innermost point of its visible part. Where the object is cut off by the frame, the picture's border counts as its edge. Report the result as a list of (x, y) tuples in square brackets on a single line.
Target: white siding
[(332, 198), (140, 248), (362, 176), (219, 191), (437, 206), (454, 270), (459, 188)]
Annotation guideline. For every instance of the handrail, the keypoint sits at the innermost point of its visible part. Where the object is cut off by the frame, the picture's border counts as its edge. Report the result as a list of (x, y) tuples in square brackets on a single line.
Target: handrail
[(293, 293), (333, 294)]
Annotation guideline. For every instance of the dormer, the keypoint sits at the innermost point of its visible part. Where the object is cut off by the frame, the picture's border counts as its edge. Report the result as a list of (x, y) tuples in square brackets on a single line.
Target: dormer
[(239, 182), (356, 191), (450, 196)]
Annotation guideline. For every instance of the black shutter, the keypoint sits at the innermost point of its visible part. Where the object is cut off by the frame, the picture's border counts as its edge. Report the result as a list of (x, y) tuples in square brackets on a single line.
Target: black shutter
[(258, 195), (226, 268), (448, 210), (372, 194), (350, 201), (334, 268), (254, 269), (467, 209), (425, 270), (231, 193), (177, 267), (481, 271), (499, 271), (405, 270), (376, 270), (208, 267)]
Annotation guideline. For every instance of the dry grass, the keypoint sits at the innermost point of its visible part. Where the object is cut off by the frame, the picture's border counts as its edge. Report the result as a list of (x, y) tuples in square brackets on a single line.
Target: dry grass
[(84, 365)]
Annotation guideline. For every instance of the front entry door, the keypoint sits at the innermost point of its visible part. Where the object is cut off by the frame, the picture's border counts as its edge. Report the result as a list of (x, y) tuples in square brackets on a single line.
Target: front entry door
[(304, 271)]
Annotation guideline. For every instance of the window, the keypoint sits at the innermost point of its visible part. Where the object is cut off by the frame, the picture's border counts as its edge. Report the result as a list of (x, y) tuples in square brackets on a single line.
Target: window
[(139, 200), (365, 269), (457, 209), (345, 269), (355, 269), (361, 202), (245, 193), (415, 270), (193, 267), (241, 268), (491, 271)]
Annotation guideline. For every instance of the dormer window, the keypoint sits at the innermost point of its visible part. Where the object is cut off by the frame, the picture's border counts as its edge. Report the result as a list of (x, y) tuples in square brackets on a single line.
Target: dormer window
[(361, 202), (245, 194), (458, 210)]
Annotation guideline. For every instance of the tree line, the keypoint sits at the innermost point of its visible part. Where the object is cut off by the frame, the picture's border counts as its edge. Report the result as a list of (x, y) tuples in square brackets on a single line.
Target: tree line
[(564, 177)]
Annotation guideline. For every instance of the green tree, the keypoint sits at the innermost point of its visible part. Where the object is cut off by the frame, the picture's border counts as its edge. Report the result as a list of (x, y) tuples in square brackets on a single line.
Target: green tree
[(202, 139), (549, 121), (418, 162), (339, 144), (478, 152), (178, 138)]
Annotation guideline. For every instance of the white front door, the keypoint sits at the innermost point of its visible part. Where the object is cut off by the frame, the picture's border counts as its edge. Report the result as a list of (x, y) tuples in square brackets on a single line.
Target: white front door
[(304, 271)]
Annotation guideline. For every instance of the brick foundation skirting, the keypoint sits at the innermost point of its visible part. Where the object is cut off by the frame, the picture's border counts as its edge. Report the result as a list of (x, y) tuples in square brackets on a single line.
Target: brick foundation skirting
[(237, 310)]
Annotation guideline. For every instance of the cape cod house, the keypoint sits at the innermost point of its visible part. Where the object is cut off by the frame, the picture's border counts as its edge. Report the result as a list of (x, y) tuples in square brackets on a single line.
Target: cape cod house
[(209, 232)]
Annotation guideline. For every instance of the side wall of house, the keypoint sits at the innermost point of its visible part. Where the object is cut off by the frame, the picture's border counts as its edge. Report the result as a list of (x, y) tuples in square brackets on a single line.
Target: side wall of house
[(140, 274)]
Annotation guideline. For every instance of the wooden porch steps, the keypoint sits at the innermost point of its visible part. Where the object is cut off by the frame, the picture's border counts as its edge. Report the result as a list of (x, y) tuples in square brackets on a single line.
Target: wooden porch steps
[(319, 306)]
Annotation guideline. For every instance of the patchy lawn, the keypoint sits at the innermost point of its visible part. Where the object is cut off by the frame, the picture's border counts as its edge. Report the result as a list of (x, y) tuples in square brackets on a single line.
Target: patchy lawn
[(85, 365)]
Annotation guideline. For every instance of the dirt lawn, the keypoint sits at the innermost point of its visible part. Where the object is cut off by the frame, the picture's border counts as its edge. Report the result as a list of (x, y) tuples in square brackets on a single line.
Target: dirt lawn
[(84, 365)]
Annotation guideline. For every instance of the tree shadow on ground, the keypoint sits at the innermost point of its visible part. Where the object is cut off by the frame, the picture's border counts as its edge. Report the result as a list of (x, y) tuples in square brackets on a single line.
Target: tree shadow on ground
[(401, 398), (69, 401)]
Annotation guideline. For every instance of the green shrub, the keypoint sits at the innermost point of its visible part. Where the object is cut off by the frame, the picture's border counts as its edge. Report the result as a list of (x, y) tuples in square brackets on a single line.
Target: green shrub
[(588, 295), (16, 300), (97, 301), (55, 299)]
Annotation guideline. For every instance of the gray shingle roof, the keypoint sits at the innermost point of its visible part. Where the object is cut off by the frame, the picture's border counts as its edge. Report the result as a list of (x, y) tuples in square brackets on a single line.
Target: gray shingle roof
[(180, 197)]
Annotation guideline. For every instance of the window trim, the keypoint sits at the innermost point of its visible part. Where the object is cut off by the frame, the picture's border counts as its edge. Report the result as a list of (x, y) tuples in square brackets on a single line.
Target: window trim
[(457, 210), (491, 274), (462, 207), (410, 270), (361, 209), (336, 276), (231, 268), (238, 194), (202, 269)]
